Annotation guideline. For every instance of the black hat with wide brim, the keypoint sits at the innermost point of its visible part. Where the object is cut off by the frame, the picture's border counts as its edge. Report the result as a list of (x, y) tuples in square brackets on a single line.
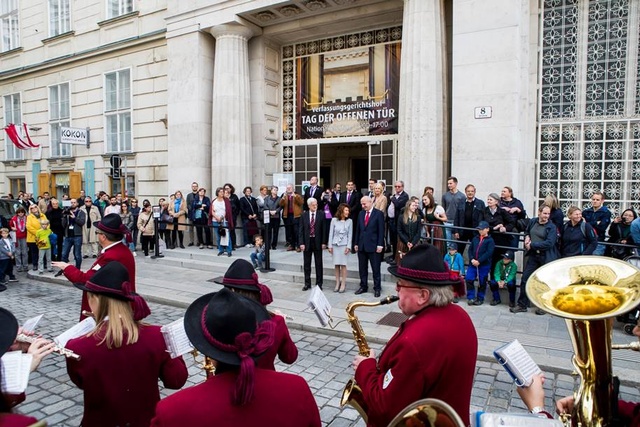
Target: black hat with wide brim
[(8, 330), (227, 315), (424, 265)]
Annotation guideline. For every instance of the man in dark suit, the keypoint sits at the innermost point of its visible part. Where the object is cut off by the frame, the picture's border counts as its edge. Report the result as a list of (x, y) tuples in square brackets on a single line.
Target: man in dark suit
[(313, 191), (397, 201), (351, 197), (312, 241), (368, 244)]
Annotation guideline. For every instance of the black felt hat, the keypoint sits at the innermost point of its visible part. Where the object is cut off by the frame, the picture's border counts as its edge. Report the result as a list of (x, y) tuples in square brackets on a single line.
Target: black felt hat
[(111, 224), (8, 330), (214, 321), (112, 280), (242, 275), (424, 265)]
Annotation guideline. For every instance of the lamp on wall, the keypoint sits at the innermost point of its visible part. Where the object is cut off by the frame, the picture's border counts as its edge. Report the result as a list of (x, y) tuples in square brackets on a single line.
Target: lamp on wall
[(165, 121), (34, 128)]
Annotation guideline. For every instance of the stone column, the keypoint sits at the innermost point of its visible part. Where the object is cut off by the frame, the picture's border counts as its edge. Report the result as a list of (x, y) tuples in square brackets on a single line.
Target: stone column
[(422, 150), (231, 117)]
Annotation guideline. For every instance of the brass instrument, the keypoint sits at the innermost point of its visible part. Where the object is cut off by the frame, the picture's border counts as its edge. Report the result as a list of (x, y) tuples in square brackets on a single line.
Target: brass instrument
[(206, 363), (588, 292), (635, 346), (427, 413), (56, 349), (352, 394)]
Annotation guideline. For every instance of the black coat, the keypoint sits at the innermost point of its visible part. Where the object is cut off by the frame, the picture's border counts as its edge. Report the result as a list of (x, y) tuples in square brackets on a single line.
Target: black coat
[(354, 203), (304, 231), (248, 207)]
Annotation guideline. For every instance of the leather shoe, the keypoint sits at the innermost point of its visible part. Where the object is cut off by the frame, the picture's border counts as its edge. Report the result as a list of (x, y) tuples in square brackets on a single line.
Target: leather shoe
[(376, 294), (306, 287), (319, 285), (361, 290), (540, 312), (518, 309), (495, 302), (478, 302), (471, 301)]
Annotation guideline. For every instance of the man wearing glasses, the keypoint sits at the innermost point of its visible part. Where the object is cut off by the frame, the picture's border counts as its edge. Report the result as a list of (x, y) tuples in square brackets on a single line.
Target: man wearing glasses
[(73, 219), (433, 353), (89, 238)]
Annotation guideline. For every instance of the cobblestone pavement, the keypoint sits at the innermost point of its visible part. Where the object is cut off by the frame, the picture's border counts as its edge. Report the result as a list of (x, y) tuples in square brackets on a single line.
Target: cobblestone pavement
[(324, 361)]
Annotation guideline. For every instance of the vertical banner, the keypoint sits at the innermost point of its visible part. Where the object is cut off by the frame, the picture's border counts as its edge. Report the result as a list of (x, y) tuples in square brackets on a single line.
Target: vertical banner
[(348, 92)]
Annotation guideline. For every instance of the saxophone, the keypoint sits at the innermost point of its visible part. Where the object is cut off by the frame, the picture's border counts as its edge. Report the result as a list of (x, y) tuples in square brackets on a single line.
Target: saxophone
[(352, 394)]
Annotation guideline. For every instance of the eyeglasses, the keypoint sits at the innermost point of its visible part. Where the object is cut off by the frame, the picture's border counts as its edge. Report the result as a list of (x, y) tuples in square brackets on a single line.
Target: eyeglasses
[(398, 186), (399, 286)]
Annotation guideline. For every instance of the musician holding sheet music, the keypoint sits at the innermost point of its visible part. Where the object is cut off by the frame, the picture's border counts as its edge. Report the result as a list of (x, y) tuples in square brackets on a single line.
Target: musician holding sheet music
[(122, 358), (37, 351)]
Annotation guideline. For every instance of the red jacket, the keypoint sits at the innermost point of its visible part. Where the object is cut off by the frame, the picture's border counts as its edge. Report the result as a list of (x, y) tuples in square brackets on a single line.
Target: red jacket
[(118, 252), (280, 400), (121, 384), (433, 354), (13, 223), (283, 347), (629, 413)]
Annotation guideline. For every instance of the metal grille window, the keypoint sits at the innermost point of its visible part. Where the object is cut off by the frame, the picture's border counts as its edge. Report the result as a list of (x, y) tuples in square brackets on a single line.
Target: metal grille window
[(381, 160), (588, 129), (118, 7), (9, 29), (12, 114), (59, 116), (59, 17), (118, 111)]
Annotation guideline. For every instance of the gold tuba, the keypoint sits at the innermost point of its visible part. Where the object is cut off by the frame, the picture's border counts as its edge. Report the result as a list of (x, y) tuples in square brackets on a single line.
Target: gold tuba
[(352, 394), (427, 413), (588, 292)]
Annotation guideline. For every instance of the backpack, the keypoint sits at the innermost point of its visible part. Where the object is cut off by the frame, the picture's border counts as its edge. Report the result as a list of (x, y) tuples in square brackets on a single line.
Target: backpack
[(53, 239)]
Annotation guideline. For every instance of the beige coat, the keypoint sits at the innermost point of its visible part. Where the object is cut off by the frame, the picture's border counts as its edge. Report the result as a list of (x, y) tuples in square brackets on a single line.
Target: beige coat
[(88, 234), (145, 218), (381, 204), (181, 214)]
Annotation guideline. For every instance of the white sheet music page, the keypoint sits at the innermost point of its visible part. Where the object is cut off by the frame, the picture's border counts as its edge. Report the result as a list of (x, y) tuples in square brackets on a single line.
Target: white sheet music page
[(16, 367), (521, 363), (76, 331), (176, 338), (320, 305), (30, 325)]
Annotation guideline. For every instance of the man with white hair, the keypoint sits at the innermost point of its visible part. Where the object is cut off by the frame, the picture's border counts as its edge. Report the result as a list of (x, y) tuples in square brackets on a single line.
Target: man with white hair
[(368, 243), (311, 237)]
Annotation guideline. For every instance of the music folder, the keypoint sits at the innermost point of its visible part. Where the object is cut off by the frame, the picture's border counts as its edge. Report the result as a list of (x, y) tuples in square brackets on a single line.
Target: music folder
[(517, 362), (320, 305)]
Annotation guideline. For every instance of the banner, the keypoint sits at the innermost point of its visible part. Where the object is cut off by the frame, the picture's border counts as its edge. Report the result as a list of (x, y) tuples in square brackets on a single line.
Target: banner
[(349, 92)]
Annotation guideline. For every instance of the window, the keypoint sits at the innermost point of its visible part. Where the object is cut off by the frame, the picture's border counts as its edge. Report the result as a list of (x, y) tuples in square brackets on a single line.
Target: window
[(125, 185), (12, 114), (59, 17), (118, 111), (9, 31), (118, 7), (17, 185), (59, 114)]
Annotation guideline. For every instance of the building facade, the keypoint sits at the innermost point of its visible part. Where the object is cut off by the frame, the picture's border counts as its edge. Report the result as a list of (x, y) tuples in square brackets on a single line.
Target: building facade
[(538, 95)]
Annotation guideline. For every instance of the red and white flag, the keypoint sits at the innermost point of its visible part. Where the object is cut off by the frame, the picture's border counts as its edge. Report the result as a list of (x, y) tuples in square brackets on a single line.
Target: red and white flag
[(17, 140)]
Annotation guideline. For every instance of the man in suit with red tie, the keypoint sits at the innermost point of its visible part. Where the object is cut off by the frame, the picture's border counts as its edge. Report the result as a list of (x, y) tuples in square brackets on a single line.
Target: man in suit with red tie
[(311, 238), (313, 191), (368, 243)]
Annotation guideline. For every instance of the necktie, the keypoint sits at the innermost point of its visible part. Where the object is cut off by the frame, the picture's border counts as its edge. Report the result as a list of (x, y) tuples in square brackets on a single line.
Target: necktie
[(366, 219), (312, 225), (348, 196)]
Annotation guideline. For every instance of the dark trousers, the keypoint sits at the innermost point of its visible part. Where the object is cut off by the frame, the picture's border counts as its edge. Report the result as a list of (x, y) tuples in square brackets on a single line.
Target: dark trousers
[(393, 235), (203, 228), (33, 254), (274, 229), (147, 243), (4, 266), (511, 287), (56, 252), (534, 261), (291, 230), (375, 259), (74, 242), (310, 251)]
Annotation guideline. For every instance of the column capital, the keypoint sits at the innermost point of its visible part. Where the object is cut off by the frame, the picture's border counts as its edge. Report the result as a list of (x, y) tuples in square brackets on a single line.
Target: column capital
[(232, 29)]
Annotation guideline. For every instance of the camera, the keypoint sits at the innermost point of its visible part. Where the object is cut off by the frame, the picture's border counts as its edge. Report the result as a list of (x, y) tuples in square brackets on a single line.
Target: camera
[(66, 211)]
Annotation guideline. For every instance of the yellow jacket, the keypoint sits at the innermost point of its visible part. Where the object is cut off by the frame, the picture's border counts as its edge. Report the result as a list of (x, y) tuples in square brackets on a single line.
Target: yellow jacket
[(33, 225)]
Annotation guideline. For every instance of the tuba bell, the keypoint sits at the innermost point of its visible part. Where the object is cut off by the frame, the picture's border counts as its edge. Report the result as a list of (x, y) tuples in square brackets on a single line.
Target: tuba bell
[(588, 292), (427, 413)]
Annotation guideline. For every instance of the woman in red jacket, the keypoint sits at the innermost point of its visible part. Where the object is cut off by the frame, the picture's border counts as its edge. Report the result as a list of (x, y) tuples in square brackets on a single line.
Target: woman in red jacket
[(242, 278), (122, 358)]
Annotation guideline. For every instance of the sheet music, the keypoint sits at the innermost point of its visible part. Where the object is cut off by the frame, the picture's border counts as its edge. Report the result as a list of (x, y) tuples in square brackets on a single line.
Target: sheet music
[(30, 325), (16, 367), (519, 361), (176, 338), (78, 330), (320, 305)]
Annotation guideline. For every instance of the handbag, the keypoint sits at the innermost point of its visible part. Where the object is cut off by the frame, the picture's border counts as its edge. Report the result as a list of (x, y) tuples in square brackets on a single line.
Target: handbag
[(222, 231)]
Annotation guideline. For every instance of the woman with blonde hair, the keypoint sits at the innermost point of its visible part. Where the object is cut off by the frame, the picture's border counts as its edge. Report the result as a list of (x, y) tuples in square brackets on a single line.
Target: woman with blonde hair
[(408, 228), (33, 225), (122, 358), (556, 217)]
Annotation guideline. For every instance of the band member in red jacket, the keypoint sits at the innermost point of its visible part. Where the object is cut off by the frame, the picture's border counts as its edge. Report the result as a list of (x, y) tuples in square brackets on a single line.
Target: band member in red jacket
[(122, 358), (110, 232), (39, 349), (233, 331), (242, 279), (433, 353)]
